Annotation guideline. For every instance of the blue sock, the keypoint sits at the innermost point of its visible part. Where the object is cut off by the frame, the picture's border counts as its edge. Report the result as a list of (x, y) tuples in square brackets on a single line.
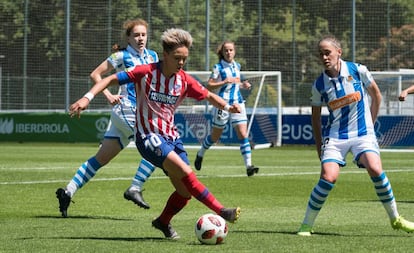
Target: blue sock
[(384, 192), (316, 200), (144, 171), (82, 176), (207, 143), (246, 151)]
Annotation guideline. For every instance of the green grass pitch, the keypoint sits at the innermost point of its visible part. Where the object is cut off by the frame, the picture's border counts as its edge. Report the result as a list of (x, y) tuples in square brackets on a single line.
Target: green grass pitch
[(273, 203)]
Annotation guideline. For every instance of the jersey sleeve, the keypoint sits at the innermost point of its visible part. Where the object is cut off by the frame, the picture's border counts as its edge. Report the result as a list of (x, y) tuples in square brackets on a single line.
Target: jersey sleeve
[(132, 74), (154, 55), (215, 73), (123, 77), (116, 59), (316, 98), (365, 75), (195, 89)]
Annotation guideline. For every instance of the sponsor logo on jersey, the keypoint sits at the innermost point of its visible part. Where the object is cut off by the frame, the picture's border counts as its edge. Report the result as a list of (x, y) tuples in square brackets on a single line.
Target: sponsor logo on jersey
[(344, 101), (163, 98)]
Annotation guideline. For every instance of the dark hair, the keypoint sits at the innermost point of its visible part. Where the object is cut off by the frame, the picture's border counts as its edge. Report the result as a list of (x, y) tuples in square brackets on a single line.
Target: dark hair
[(116, 47)]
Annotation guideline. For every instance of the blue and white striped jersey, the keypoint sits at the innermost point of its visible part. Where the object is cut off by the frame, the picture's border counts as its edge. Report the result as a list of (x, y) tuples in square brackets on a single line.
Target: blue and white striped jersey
[(229, 92), (127, 58), (347, 100)]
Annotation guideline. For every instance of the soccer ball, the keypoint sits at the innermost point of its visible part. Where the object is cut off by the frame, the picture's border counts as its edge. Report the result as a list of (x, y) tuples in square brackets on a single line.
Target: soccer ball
[(211, 229)]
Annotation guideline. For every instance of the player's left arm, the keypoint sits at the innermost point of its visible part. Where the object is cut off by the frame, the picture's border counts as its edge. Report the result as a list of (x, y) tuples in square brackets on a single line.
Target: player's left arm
[(197, 91), (245, 84), (82, 103), (375, 94), (218, 102)]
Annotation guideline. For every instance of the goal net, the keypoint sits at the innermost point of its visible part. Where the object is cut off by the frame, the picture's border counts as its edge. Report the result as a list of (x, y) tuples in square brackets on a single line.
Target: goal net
[(394, 127), (263, 106)]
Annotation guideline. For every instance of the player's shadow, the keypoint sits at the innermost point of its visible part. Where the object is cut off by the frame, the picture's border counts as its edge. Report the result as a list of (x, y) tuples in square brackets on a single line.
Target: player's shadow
[(313, 234), (278, 232), (89, 217), (377, 200), (406, 201), (99, 238)]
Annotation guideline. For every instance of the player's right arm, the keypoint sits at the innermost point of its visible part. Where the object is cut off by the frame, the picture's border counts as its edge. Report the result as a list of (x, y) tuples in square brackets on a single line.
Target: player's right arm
[(405, 93), (215, 81), (213, 84), (317, 128), (97, 75)]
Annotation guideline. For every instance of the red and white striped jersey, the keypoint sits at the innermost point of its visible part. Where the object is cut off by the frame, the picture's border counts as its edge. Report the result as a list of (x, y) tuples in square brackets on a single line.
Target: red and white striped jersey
[(159, 96)]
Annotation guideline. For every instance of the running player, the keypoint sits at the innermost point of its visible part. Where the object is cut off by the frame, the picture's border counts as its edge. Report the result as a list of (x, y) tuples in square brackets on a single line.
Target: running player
[(161, 87), (225, 81), (122, 121)]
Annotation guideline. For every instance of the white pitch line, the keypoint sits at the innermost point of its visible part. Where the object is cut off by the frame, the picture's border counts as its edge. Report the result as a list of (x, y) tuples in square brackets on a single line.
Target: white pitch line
[(122, 167), (30, 168), (209, 176), (397, 150)]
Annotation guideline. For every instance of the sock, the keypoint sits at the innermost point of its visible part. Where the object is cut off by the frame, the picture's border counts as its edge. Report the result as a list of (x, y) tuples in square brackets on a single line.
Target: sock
[(316, 200), (144, 171), (85, 172), (174, 205), (207, 143), (246, 152), (201, 193), (384, 192)]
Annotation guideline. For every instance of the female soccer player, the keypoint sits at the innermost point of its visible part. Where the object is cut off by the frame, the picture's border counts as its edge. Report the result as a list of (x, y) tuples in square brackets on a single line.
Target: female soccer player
[(121, 127), (226, 81), (160, 88), (347, 88)]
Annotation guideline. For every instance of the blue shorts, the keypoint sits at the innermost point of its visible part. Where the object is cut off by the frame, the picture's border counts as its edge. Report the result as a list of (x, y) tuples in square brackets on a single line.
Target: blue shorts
[(155, 148)]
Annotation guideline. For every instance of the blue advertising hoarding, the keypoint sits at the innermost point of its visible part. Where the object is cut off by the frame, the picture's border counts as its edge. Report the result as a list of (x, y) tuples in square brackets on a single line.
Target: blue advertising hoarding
[(392, 131)]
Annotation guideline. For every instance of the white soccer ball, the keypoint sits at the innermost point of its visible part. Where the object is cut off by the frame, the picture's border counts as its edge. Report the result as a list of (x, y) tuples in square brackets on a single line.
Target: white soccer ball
[(211, 229)]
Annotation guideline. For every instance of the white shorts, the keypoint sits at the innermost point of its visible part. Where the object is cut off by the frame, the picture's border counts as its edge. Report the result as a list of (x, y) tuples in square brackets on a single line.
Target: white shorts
[(335, 150), (221, 117), (121, 125)]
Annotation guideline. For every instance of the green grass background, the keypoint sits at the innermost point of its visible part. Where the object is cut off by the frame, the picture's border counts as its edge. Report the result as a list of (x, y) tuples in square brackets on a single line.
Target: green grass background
[(273, 203)]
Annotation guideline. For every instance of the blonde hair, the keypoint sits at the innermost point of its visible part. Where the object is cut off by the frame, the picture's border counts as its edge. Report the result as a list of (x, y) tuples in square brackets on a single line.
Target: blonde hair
[(331, 39), (174, 38)]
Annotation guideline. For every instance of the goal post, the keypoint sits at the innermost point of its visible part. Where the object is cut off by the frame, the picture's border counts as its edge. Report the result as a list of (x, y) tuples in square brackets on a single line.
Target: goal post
[(278, 105), (391, 83), (263, 106), (394, 125)]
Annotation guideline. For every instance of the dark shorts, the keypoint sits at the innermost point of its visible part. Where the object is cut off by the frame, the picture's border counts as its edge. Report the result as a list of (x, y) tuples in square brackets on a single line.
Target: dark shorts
[(155, 148)]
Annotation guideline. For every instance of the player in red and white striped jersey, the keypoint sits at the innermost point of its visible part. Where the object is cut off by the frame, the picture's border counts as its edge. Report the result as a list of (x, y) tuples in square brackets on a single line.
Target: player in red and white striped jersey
[(160, 88)]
